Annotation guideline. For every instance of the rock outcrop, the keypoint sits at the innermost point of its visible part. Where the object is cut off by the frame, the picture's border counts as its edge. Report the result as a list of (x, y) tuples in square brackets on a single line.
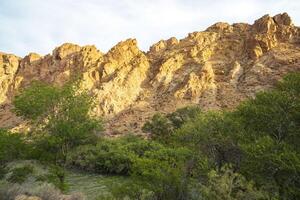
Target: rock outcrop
[(216, 68)]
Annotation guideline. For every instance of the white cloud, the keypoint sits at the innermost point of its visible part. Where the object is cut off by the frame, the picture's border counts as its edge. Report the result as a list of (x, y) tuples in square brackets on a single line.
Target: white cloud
[(39, 25)]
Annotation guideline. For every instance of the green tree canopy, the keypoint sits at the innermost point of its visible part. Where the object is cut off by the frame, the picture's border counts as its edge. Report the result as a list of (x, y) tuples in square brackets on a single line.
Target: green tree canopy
[(60, 114)]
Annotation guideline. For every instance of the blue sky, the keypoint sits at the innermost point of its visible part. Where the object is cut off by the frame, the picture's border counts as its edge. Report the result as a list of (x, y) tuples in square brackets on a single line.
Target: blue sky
[(41, 25)]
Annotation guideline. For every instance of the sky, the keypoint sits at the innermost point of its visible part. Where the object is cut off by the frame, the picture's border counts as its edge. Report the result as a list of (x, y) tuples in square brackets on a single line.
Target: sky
[(41, 25)]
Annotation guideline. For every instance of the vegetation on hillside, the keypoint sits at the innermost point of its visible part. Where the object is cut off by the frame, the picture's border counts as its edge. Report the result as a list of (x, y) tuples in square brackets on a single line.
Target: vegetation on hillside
[(249, 153), (59, 117)]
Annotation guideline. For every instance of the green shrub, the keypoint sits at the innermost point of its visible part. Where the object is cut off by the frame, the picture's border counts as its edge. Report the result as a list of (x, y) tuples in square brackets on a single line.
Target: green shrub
[(112, 156), (108, 157), (260, 140), (104, 158), (163, 172), (159, 126), (132, 189), (36, 100), (11, 146), (54, 175), (3, 171), (225, 184), (162, 126), (271, 138), (183, 115), (213, 134), (20, 174)]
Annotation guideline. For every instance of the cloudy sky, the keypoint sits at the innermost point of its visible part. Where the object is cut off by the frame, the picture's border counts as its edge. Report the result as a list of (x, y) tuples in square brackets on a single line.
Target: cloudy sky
[(41, 25)]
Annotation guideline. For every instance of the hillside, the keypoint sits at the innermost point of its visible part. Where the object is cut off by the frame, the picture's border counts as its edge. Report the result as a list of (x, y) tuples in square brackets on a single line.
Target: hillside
[(215, 68)]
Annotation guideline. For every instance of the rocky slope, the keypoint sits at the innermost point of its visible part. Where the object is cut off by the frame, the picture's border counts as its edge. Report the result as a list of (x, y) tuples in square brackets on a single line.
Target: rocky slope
[(215, 68)]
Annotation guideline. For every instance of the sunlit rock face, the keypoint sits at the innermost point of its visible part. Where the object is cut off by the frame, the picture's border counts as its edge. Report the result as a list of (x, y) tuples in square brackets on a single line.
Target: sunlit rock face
[(216, 68)]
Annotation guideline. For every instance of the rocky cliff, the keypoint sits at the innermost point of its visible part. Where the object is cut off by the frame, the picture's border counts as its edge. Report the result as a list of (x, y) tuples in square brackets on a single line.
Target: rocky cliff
[(215, 68)]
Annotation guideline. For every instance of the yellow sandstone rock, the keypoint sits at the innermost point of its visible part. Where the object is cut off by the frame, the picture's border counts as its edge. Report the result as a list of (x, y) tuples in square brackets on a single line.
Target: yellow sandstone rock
[(216, 68)]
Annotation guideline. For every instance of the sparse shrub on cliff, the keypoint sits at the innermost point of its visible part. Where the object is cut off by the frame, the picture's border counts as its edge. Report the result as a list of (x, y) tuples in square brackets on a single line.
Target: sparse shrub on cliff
[(161, 127), (183, 115)]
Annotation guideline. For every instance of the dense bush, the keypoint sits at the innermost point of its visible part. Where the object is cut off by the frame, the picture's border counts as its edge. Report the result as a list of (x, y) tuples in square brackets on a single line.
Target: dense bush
[(183, 115), (112, 156), (132, 189), (20, 174), (12, 146), (159, 126), (225, 184), (162, 126), (259, 140), (163, 172), (212, 134), (102, 158)]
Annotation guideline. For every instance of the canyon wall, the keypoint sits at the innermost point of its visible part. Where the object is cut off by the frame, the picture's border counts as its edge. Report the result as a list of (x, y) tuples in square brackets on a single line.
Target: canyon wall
[(216, 69)]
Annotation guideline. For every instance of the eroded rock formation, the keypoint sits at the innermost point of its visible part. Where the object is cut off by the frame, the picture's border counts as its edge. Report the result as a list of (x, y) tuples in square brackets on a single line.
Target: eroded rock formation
[(215, 68)]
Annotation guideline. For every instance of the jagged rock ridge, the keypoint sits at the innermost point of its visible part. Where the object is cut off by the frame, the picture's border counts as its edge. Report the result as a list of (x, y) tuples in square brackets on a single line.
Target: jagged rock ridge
[(215, 68)]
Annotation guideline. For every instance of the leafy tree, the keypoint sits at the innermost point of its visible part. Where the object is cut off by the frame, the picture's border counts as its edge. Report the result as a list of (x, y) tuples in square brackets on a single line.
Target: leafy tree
[(36, 101), (272, 113), (271, 138), (274, 166), (60, 114), (212, 134)]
